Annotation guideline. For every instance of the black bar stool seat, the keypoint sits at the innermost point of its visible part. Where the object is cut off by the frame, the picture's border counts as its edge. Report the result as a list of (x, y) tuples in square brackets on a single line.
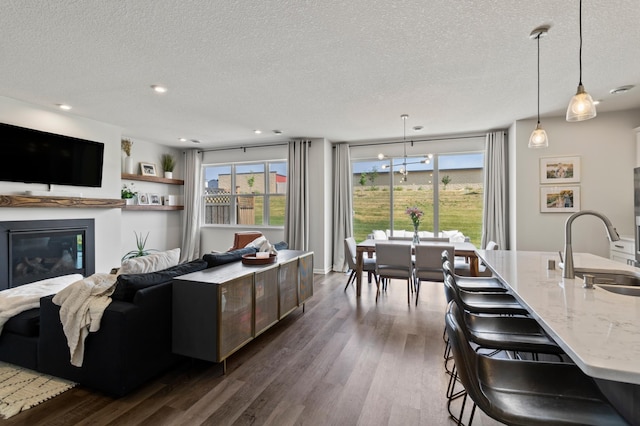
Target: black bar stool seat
[(517, 392)]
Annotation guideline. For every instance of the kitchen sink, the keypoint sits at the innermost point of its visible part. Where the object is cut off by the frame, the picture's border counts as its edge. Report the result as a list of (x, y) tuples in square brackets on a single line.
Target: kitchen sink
[(619, 289), (613, 279)]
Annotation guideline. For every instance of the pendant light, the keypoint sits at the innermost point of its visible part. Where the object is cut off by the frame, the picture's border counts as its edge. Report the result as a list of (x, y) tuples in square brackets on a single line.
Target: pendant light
[(403, 170), (538, 137), (581, 106)]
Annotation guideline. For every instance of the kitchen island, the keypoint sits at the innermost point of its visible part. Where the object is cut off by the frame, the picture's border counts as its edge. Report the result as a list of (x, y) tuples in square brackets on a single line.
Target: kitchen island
[(598, 329)]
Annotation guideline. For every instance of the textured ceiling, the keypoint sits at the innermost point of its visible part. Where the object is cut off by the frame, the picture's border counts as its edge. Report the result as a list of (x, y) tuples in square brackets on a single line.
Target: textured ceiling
[(341, 70)]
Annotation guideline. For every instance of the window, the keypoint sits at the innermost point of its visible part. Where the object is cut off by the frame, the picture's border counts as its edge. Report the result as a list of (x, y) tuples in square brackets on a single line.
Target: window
[(448, 188), (245, 193)]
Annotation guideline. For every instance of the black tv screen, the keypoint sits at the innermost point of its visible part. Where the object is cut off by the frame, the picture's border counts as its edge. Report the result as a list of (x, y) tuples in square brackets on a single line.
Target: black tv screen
[(42, 157)]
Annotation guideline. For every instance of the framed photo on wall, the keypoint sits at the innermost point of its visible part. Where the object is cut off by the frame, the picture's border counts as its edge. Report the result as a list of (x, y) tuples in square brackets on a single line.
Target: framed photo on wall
[(560, 199), (148, 169), (558, 170)]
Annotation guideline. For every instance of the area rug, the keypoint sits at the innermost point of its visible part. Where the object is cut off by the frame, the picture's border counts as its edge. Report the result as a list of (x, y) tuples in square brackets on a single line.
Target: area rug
[(21, 389)]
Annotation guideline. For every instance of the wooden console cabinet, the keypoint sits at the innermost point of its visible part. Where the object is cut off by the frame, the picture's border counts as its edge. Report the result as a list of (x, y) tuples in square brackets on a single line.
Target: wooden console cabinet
[(218, 310)]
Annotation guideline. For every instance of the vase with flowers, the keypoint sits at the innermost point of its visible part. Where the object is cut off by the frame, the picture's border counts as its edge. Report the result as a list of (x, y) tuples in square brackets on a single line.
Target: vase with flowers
[(128, 193), (415, 214), (127, 165)]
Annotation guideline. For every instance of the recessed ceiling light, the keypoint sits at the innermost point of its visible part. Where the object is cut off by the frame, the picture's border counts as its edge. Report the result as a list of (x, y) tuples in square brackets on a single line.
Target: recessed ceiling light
[(159, 89), (182, 139), (257, 131), (277, 132), (195, 141), (621, 89), (64, 107), (597, 102), (417, 128)]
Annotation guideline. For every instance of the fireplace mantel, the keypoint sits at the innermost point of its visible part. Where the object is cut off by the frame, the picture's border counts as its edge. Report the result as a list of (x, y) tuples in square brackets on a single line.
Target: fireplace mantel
[(40, 201)]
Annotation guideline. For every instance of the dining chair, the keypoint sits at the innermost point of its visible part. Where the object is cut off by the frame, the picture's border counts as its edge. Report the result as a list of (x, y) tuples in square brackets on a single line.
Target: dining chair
[(368, 263), (393, 238), (435, 239), (428, 264), (521, 392), (393, 261), (463, 268)]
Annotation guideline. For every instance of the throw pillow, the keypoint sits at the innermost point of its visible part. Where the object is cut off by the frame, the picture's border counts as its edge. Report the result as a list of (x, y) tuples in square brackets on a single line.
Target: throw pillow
[(282, 245), (151, 263), (216, 259), (257, 242), (129, 284)]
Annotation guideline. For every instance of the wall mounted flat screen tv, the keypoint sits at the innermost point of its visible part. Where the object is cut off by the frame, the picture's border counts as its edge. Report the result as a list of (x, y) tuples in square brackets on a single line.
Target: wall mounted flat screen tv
[(42, 157)]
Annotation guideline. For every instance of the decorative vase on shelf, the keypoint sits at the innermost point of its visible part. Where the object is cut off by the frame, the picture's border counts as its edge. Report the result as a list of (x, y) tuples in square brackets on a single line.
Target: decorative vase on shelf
[(416, 237), (168, 175), (128, 165)]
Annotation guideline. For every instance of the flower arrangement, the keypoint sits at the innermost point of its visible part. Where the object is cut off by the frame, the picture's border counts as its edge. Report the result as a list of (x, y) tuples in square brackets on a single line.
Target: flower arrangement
[(415, 214), (126, 145), (128, 191)]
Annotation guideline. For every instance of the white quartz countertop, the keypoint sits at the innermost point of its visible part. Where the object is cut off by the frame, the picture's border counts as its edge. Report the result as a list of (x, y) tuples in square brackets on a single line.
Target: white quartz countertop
[(598, 329)]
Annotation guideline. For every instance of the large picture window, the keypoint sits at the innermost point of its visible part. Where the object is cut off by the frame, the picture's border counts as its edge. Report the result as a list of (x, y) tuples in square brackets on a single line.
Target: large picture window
[(448, 188), (245, 193)]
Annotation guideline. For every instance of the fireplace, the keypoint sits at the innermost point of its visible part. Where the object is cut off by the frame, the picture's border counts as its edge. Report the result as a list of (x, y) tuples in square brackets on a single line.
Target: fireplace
[(34, 250)]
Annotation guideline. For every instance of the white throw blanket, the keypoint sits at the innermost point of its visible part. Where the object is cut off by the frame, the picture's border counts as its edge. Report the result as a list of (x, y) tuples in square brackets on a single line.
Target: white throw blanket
[(22, 298), (82, 305)]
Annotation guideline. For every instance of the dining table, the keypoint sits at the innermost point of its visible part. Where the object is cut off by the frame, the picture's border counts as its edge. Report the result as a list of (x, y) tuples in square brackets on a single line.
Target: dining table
[(462, 249)]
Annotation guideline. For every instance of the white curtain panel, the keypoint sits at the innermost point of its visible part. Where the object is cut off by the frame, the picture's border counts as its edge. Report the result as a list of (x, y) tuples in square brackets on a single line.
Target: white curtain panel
[(496, 208), (192, 204), (342, 204), (296, 225)]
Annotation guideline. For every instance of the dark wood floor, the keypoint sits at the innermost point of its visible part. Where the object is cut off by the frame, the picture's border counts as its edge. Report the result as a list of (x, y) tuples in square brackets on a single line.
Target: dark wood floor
[(344, 361)]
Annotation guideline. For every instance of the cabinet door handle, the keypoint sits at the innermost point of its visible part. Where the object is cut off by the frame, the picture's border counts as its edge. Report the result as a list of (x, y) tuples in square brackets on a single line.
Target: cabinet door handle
[(618, 246)]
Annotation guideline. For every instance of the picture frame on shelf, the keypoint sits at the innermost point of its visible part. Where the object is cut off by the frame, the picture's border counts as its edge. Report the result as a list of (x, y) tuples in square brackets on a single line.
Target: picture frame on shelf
[(155, 200), (560, 199), (143, 199), (560, 170), (148, 169)]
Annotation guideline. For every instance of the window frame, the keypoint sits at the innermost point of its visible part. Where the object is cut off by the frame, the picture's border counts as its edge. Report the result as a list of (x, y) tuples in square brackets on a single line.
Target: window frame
[(265, 194)]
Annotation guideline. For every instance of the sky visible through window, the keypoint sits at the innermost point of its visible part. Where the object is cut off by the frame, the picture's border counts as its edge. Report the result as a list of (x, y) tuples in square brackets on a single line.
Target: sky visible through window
[(211, 171), (445, 162)]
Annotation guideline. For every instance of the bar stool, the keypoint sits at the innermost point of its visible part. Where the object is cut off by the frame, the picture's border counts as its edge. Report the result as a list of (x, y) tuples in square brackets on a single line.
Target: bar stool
[(519, 392), (485, 284)]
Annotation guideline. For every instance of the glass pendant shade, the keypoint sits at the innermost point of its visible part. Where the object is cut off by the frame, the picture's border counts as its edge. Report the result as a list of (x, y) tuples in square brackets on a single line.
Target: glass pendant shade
[(538, 138), (581, 106)]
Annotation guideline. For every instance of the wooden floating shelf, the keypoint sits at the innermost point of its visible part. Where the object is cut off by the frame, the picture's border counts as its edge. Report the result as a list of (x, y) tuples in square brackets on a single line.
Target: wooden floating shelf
[(147, 208), (157, 179), (64, 202)]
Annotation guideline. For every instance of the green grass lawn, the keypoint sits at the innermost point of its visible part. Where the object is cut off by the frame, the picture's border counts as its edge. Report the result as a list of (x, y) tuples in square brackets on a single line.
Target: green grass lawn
[(460, 209)]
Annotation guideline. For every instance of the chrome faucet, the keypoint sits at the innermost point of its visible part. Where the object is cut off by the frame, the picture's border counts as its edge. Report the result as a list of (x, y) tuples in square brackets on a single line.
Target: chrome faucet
[(568, 271)]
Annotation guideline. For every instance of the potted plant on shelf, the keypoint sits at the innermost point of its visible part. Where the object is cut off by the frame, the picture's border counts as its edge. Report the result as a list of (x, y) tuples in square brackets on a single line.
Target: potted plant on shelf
[(128, 193), (127, 166), (168, 164)]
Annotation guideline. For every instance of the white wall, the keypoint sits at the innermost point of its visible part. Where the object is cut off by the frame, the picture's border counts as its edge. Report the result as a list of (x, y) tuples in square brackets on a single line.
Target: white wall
[(164, 227), (607, 148), (321, 204), (114, 228)]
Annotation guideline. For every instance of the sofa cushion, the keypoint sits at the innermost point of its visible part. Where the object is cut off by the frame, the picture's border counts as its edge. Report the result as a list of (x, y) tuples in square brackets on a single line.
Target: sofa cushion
[(216, 259), (282, 245), (151, 263), (26, 323), (128, 284)]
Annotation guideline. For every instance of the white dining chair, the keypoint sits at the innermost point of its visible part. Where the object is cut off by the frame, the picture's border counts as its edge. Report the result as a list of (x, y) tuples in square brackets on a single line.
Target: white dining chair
[(393, 261), (428, 263)]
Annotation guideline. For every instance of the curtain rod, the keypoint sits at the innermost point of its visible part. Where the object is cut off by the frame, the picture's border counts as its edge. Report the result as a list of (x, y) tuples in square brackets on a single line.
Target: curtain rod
[(243, 147), (419, 140)]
